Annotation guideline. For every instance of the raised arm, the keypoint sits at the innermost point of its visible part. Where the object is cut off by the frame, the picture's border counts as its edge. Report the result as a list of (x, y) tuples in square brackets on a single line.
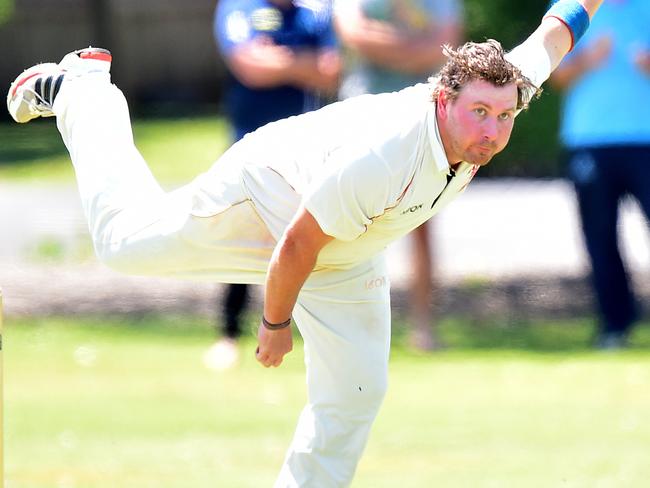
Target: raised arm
[(561, 27)]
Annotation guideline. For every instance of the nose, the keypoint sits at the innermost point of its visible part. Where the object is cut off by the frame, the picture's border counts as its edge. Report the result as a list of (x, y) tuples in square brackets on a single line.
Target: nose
[(490, 130)]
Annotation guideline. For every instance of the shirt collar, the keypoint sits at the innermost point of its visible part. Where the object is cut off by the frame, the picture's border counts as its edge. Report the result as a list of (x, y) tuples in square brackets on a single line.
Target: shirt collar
[(439, 156)]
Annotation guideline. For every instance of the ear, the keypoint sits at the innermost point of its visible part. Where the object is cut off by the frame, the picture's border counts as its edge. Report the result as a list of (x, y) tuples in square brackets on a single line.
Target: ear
[(443, 103)]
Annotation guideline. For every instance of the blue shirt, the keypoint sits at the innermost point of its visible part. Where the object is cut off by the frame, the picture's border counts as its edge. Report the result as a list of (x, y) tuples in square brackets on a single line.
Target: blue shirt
[(304, 24), (610, 105)]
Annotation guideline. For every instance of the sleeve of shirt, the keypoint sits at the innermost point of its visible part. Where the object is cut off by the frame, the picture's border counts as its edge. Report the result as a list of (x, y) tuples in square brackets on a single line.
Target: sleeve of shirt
[(345, 201), (231, 26), (532, 59)]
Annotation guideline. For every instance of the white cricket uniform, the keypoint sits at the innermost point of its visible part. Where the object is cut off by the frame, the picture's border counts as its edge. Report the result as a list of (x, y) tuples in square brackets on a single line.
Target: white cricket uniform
[(369, 169)]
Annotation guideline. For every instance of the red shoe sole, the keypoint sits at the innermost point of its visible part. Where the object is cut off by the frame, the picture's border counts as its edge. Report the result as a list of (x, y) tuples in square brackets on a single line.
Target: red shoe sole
[(102, 55)]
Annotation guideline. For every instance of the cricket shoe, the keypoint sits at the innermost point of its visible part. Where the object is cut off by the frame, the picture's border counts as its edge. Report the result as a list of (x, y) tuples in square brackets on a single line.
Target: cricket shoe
[(32, 93)]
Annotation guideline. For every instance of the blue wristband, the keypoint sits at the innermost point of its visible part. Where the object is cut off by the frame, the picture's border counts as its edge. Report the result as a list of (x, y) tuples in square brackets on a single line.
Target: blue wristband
[(573, 15)]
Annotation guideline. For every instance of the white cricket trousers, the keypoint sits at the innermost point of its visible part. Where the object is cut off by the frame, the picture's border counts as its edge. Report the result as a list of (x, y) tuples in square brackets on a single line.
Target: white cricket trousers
[(137, 228)]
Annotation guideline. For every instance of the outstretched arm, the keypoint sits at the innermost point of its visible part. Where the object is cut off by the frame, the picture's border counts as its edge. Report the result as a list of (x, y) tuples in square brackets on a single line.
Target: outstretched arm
[(544, 49), (557, 35)]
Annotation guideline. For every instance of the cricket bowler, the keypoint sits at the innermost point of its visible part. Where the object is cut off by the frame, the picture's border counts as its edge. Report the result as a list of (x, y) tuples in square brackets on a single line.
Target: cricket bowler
[(305, 206)]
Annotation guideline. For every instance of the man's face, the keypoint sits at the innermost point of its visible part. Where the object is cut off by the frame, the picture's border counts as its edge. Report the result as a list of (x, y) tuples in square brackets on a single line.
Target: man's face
[(477, 125)]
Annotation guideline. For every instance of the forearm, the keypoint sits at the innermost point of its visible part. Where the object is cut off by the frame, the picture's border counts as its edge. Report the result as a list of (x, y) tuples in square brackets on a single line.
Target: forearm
[(425, 51), (288, 270), (255, 70), (557, 37), (591, 6), (318, 71), (384, 45), (375, 41), (545, 48), (293, 260)]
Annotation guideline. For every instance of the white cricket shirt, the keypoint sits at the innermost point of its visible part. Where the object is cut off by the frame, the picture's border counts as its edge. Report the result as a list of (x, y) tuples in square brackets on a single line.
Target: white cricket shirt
[(369, 169)]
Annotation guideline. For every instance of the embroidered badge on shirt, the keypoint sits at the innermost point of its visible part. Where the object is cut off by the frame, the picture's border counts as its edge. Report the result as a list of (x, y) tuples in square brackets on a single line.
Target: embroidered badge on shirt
[(266, 19)]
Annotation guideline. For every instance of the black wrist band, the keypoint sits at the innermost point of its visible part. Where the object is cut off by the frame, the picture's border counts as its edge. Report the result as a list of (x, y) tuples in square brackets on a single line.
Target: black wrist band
[(279, 326)]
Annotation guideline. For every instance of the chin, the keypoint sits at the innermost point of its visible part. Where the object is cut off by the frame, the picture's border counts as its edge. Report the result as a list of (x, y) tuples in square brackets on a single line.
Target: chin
[(480, 159)]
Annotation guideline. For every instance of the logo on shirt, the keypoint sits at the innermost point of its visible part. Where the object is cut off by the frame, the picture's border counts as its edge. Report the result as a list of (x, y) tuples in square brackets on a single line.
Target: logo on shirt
[(379, 282), (412, 209), (266, 19)]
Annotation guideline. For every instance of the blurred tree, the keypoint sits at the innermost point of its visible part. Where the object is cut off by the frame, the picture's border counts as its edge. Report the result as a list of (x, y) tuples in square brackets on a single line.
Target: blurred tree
[(509, 21), (6, 10)]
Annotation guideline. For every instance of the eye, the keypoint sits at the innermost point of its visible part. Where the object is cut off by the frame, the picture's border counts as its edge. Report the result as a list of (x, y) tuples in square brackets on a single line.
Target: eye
[(504, 116), (480, 111)]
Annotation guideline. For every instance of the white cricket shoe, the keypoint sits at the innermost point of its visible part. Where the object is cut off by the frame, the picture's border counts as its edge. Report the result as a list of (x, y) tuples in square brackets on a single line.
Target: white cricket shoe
[(32, 93)]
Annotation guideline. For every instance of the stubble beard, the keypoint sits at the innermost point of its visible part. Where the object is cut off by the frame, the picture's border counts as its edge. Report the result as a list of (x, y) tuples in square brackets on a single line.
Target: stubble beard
[(480, 157)]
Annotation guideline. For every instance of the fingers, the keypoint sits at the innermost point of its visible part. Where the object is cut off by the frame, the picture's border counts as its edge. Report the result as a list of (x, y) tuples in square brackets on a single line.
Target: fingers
[(273, 346), (266, 360)]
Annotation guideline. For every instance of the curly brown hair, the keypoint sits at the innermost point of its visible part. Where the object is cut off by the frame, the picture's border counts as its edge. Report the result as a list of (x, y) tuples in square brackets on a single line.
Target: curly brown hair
[(480, 61)]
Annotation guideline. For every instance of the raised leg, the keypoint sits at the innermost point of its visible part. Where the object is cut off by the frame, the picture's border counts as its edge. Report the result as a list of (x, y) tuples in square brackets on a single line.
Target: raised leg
[(136, 227)]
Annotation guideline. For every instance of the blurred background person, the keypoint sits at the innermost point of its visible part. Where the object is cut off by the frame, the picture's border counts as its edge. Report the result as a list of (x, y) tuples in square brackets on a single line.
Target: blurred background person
[(282, 60), (392, 44), (606, 130)]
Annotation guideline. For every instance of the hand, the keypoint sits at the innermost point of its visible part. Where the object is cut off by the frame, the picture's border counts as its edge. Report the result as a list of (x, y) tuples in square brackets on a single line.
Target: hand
[(329, 67), (273, 345), (263, 50)]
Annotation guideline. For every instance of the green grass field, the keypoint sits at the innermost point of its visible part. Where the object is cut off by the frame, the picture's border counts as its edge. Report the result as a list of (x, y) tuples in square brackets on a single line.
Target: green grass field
[(104, 403), (176, 149), (94, 403)]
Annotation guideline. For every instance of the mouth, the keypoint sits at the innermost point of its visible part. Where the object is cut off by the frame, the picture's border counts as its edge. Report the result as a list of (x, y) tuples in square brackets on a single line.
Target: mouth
[(482, 154), (484, 148)]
